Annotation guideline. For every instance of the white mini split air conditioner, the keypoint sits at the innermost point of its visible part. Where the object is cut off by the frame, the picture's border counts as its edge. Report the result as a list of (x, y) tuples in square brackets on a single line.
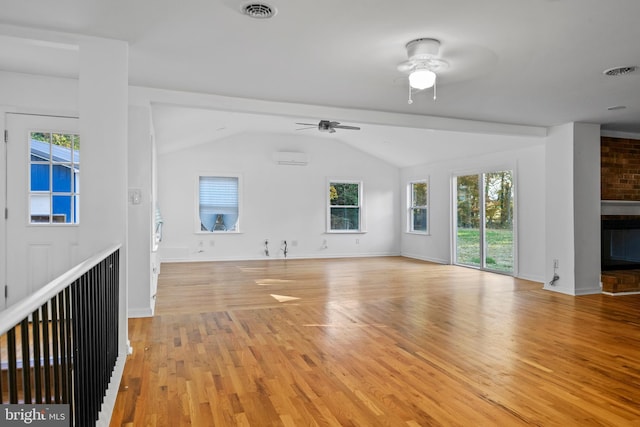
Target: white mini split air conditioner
[(290, 158)]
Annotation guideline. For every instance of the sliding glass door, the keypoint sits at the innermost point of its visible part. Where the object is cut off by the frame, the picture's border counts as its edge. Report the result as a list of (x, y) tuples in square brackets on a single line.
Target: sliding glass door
[(484, 236)]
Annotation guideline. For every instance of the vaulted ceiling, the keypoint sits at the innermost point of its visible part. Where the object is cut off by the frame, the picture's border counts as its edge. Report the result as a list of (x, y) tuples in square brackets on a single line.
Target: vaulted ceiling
[(535, 63)]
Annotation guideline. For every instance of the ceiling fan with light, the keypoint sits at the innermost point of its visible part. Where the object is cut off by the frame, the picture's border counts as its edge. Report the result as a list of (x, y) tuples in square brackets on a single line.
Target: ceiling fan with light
[(422, 65), (326, 126)]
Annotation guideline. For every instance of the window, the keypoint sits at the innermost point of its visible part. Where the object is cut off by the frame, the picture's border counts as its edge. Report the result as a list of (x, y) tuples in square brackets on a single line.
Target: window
[(418, 206), (218, 203), (54, 178), (345, 206)]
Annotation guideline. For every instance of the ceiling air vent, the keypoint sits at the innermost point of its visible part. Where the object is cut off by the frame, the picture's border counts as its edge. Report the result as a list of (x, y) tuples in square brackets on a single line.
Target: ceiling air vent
[(259, 10), (619, 71)]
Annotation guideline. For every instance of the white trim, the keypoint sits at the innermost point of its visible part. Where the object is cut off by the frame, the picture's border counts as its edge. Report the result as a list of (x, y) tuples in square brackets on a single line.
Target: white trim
[(616, 294), (362, 226), (196, 210), (111, 394), (409, 206), (74, 193), (288, 258), (140, 312), (426, 259), (454, 217), (617, 134), (143, 95)]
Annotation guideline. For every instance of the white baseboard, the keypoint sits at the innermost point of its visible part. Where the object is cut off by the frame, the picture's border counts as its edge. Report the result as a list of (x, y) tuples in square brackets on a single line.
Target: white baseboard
[(140, 312), (104, 416), (589, 291), (538, 279), (281, 258), (427, 259), (619, 294)]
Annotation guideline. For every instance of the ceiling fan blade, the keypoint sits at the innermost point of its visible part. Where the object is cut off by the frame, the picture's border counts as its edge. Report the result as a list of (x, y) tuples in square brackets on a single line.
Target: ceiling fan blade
[(346, 127), (307, 124), (406, 66), (308, 127)]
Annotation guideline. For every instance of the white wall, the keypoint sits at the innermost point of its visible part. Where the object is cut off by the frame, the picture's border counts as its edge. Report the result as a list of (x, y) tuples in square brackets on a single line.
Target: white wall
[(573, 214), (279, 202), (140, 213), (587, 195), (559, 214), (529, 168), (100, 98)]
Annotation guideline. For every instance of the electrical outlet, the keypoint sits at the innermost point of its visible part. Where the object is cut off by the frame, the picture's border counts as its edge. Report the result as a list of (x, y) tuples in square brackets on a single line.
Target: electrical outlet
[(135, 196), (357, 241), (294, 243), (555, 263), (212, 243), (200, 243)]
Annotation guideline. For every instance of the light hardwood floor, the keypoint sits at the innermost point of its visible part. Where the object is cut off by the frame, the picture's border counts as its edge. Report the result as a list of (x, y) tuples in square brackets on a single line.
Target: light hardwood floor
[(383, 341)]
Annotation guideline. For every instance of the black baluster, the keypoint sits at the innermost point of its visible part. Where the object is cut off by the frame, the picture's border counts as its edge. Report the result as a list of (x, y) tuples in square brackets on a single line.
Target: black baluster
[(55, 331), (26, 361), (12, 368), (37, 364), (46, 344)]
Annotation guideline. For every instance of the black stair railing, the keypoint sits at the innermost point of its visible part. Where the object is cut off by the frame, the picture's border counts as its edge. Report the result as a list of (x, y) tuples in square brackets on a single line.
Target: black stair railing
[(63, 347)]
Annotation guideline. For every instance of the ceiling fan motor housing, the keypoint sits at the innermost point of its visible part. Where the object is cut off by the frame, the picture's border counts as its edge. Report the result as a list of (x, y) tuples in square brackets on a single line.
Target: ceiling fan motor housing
[(421, 49)]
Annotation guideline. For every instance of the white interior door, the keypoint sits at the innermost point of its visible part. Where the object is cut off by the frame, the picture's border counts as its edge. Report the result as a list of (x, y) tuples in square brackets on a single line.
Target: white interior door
[(42, 200)]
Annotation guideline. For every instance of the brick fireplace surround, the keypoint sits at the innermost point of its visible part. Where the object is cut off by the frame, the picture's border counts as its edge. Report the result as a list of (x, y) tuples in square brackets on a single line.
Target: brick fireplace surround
[(620, 186)]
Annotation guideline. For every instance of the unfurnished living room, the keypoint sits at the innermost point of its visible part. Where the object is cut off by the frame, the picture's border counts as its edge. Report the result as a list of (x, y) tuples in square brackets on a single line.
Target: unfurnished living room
[(320, 214)]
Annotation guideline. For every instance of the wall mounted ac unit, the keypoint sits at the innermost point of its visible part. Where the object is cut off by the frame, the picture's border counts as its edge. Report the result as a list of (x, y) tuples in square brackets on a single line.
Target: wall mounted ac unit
[(290, 158)]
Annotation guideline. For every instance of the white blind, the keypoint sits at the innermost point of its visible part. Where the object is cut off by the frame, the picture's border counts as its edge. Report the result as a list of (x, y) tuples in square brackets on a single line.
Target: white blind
[(218, 191)]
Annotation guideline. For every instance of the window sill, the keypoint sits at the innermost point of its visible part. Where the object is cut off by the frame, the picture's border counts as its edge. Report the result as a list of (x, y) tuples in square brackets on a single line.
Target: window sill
[(52, 224), (208, 233), (345, 232), (418, 233)]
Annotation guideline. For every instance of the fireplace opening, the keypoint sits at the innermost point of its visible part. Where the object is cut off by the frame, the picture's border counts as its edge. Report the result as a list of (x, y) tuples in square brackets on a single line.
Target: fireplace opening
[(620, 244)]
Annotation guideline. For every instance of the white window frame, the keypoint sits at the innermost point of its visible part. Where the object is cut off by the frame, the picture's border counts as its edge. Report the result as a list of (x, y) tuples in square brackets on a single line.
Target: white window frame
[(411, 206), (197, 220), (44, 198), (361, 217)]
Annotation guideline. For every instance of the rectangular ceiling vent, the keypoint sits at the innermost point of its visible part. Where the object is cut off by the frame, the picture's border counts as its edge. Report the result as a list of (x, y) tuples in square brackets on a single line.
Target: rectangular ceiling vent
[(290, 158)]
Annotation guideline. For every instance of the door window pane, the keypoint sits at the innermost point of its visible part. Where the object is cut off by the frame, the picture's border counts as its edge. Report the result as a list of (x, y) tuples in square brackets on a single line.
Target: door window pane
[(468, 223), (54, 177), (498, 198), (40, 177)]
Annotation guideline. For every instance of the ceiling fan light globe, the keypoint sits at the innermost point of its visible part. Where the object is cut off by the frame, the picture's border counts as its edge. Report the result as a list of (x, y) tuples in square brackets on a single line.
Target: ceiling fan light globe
[(422, 79)]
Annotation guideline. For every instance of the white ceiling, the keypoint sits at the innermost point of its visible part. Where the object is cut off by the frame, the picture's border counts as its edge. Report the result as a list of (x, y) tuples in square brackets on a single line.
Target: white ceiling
[(533, 63)]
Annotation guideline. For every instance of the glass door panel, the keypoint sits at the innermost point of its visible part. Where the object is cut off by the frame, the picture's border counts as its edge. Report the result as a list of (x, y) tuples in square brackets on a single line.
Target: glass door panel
[(498, 221), (468, 237)]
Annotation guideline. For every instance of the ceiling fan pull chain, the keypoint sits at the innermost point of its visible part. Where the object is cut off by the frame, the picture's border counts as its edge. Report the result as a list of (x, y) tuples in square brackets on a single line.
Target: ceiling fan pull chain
[(435, 84), (410, 101)]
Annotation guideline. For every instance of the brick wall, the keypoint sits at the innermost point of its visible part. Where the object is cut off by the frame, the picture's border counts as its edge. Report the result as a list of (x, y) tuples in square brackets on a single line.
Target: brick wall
[(620, 169), (620, 180)]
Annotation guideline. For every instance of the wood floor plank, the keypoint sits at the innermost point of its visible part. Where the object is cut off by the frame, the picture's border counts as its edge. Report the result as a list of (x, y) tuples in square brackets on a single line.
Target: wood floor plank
[(385, 341)]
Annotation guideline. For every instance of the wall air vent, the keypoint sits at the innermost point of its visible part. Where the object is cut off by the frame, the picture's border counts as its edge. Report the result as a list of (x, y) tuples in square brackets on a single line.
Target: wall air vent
[(259, 10), (619, 71), (289, 158)]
